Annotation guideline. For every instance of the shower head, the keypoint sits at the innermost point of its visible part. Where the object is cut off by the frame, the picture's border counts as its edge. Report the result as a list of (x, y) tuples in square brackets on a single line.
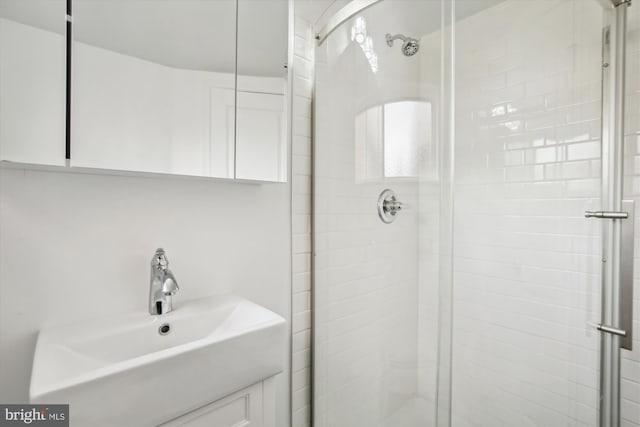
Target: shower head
[(410, 45)]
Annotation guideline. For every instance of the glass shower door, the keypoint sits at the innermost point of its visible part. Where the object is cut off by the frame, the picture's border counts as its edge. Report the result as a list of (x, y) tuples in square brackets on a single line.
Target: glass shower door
[(376, 111), (479, 304), (527, 291)]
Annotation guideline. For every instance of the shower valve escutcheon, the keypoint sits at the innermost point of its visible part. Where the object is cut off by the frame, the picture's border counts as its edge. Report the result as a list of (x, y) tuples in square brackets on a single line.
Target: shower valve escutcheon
[(389, 206)]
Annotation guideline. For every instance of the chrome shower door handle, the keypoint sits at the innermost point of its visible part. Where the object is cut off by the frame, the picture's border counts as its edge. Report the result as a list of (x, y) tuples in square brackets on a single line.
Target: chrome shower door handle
[(626, 273), (606, 215), (627, 235)]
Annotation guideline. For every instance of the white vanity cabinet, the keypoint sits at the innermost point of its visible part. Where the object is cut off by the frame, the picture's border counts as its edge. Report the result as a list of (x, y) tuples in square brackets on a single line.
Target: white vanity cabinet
[(253, 406)]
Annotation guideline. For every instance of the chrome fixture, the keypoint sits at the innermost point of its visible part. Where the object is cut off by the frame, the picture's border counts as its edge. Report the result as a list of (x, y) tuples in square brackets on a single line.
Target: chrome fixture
[(410, 46), (617, 3), (388, 206), (611, 330), (617, 234), (606, 215), (163, 284), (347, 12), (625, 271)]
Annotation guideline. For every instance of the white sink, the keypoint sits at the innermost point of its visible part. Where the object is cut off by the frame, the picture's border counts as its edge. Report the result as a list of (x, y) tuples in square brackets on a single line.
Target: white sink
[(121, 371)]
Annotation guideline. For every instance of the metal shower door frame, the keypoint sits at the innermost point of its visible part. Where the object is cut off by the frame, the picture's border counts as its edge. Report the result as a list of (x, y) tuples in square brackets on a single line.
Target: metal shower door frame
[(618, 227)]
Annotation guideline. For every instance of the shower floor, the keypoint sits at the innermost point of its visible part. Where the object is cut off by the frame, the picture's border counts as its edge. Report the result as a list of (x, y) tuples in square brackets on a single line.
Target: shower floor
[(416, 412)]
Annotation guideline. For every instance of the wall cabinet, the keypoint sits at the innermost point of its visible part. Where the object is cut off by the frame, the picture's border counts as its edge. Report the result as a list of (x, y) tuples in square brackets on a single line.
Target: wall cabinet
[(184, 87)]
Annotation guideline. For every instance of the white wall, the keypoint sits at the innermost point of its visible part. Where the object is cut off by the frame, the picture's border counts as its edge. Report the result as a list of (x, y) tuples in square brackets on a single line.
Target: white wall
[(75, 246)]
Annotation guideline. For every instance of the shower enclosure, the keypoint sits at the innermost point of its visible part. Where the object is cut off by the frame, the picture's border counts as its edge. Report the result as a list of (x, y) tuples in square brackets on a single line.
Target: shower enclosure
[(492, 285)]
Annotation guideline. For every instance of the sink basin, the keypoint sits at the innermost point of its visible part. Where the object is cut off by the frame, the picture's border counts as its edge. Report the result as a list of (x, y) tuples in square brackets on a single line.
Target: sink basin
[(123, 371)]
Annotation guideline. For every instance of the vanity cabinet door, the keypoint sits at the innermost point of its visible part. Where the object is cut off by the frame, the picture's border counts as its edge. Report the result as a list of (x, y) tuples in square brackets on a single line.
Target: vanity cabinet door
[(241, 409), (32, 81)]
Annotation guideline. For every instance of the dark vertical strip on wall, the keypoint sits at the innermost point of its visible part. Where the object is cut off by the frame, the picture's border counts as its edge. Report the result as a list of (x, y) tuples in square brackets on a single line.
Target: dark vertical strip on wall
[(69, 41), (235, 101)]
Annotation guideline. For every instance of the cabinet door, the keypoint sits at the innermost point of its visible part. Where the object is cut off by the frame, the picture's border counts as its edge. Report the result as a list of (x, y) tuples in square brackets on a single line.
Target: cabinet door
[(32, 81), (241, 409), (261, 137)]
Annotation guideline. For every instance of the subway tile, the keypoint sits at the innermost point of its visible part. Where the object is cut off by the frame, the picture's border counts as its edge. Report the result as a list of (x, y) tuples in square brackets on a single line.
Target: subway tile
[(301, 302), (302, 87), (301, 145), (301, 359), (302, 106), (301, 204), (584, 150), (301, 243), (301, 165), (301, 281), (301, 263), (301, 224), (300, 399), (301, 321), (301, 379), (301, 221), (302, 67)]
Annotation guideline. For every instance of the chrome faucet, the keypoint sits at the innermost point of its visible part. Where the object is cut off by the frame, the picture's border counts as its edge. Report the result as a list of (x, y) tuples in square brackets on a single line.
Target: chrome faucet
[(163, 284)]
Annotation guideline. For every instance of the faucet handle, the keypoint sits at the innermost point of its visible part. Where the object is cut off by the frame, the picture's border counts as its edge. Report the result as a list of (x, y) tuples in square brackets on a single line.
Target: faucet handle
[(160, 260), (170, 285)]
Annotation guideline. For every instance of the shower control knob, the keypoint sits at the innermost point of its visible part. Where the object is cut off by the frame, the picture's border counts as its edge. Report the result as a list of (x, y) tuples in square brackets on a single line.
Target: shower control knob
[(393, 206), (389, 206)]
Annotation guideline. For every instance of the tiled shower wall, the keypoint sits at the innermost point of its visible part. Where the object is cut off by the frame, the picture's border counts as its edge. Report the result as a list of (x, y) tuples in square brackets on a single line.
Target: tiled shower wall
[(527, 264), (301, 223), (366, 271)]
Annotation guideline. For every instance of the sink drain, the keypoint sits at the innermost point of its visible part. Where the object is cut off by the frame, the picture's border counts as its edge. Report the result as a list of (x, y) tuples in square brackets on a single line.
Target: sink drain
[(164, 329)]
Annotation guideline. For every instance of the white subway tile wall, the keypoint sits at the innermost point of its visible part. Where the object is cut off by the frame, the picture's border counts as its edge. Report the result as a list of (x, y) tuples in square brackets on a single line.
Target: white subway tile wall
[(301, 223), (526, 261), (367, 288)]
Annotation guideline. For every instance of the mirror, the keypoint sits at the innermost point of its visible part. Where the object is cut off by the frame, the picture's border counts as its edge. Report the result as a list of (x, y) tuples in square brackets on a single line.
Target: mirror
[(32, 81), (187, 87), (154, 86), (261, 136)]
